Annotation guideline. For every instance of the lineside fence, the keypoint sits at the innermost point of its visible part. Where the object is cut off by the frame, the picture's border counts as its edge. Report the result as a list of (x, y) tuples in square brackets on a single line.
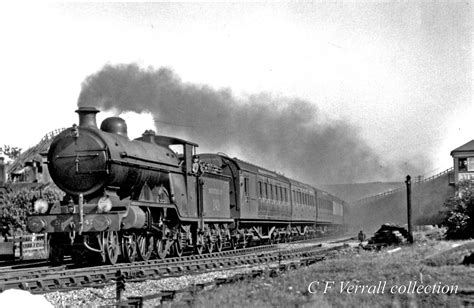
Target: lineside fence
[(402, 188)]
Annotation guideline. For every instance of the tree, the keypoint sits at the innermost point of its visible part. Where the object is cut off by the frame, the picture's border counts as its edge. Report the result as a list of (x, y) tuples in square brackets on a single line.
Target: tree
[(19, 204), (459, 219), (10, 151)]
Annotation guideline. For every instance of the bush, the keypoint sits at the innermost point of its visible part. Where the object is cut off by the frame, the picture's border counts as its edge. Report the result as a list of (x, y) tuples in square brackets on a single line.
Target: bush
[(19, 204), (459, 219)]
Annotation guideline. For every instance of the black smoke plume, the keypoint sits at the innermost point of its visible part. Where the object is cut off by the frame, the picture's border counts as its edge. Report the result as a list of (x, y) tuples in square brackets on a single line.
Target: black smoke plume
[(280, 134)]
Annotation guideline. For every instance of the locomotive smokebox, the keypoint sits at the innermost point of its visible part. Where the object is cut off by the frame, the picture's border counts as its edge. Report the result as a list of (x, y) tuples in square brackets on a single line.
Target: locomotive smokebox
[(87, 116), (114, 125)]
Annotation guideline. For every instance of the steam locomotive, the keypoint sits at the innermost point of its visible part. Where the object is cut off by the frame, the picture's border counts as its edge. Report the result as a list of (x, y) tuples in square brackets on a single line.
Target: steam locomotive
[(154, 196)]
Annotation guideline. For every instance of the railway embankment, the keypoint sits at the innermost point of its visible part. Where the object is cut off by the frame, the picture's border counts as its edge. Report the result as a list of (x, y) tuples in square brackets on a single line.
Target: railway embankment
[(429, 273)]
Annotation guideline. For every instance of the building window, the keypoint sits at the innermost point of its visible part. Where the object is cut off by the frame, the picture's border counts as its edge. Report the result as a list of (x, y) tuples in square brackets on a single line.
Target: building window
[(470, 164)]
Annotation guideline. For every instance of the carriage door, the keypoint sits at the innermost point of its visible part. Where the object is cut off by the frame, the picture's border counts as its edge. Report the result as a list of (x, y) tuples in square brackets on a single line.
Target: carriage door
[(248, 195), (244, 194)]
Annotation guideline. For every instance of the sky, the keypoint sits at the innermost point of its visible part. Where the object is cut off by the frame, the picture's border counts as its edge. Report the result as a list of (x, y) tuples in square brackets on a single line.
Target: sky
[(397, 77)]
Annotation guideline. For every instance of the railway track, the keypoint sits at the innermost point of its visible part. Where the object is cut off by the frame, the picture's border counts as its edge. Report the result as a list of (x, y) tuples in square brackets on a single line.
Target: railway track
[(47, 279)]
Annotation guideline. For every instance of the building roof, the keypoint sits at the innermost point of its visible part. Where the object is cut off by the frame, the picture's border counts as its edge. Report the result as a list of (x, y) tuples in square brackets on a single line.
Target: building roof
[(468, 147)]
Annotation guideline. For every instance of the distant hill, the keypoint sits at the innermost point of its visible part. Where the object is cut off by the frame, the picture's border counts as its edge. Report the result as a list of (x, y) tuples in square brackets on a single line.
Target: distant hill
[(428, 199), (357, 191)]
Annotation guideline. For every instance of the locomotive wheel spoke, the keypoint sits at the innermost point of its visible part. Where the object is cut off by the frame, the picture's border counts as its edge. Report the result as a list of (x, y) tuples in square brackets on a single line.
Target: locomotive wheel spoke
[(112, 246), (178, 245), (129, 248), (161, 250), (178, 250), (145, 246)]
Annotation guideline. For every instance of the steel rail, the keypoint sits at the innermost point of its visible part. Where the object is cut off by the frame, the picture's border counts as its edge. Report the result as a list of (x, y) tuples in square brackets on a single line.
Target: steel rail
[(73, 279), (10, 273)]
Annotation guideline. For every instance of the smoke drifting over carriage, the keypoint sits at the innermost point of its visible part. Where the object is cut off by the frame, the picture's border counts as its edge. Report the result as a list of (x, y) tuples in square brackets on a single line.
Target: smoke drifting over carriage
[(277, 133)]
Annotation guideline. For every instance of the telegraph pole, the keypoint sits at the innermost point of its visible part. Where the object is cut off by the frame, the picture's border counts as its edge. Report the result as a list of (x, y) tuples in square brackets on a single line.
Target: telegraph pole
[(410, 230)]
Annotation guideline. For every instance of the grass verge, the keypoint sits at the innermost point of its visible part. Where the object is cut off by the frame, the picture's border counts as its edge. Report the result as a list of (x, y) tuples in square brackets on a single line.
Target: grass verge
[(397, 279)]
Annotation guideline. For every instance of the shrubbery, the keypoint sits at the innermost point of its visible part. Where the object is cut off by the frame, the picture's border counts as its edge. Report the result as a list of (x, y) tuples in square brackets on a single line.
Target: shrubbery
[(18, 204), (460, 216)]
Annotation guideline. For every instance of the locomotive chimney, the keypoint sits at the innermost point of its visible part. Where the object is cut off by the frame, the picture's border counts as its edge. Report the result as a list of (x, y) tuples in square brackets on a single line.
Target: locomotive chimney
[(87, 116)]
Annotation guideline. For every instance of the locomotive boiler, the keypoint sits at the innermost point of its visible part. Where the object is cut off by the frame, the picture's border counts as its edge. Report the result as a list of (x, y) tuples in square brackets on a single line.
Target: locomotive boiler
[(133, 198)]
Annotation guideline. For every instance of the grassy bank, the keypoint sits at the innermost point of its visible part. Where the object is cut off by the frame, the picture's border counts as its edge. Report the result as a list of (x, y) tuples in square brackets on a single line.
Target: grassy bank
[(356, 278)]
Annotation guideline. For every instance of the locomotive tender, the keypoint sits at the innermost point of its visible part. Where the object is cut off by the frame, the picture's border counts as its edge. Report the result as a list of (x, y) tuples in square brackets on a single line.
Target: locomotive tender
[(153, 196)]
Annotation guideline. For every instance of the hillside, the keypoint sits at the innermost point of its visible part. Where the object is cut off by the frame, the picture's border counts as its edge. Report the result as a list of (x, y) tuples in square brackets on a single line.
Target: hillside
[(427, 205), (357, 191), (34, 153)]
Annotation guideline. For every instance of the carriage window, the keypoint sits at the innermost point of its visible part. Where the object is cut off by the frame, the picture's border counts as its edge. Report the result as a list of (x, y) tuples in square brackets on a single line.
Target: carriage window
[(246, 186)]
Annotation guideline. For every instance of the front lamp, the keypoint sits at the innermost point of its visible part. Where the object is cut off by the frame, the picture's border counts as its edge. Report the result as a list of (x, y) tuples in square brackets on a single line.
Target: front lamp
[(104, 205), (40, 206)]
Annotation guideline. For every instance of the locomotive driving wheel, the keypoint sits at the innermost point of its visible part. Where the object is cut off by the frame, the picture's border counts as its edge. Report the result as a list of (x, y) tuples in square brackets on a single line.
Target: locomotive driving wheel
[(129, 247), (111, 245), (177, 245), (161, 249), (145, 245)]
